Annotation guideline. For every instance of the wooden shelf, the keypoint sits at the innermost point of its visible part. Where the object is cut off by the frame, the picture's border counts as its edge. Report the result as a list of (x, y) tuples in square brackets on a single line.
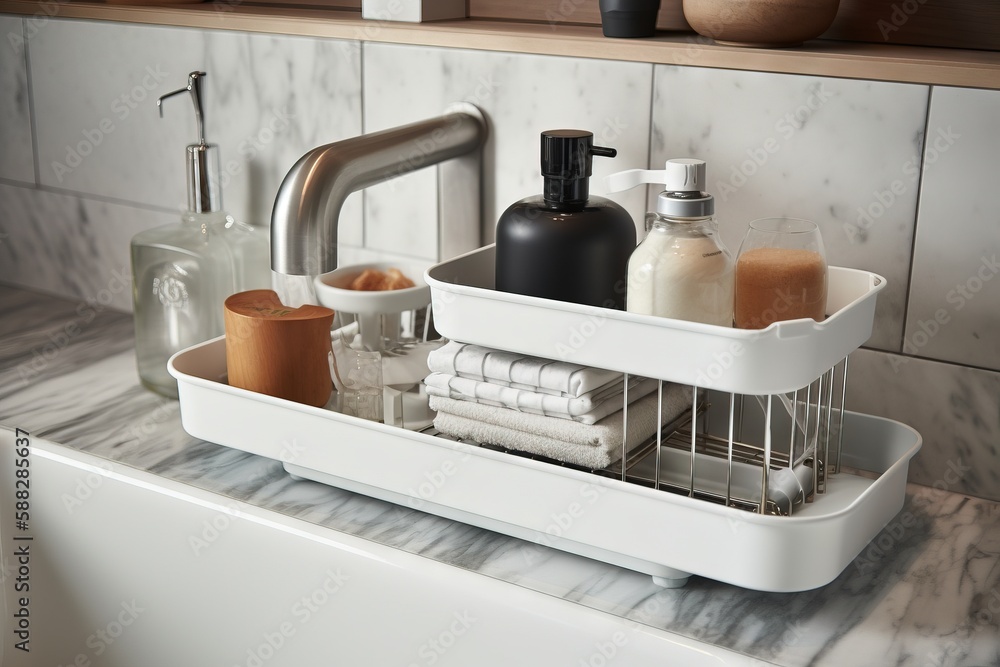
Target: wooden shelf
[(948, 67)]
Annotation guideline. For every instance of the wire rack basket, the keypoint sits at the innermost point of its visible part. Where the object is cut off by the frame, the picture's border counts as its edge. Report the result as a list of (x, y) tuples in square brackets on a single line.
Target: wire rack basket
[(765, 462)]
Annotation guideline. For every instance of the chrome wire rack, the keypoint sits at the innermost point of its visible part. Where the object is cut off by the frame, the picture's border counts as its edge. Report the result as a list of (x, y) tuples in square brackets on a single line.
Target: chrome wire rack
[(763, 454)]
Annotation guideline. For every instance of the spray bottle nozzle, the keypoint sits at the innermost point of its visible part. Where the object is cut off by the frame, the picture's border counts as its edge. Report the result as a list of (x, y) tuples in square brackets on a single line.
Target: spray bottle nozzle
[(683, 181), (677, 175)]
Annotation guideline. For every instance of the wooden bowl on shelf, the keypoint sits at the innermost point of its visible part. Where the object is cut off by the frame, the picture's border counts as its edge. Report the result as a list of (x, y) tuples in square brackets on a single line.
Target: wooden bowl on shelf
[(761, 23)]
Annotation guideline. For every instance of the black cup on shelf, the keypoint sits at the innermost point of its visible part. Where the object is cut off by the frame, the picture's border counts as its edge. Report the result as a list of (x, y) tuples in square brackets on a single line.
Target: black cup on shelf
[(629, 18)]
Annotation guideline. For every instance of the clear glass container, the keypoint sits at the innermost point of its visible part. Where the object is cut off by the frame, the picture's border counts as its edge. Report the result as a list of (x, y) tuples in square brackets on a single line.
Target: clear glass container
[(181, 275), (781, 273), (682, 270)]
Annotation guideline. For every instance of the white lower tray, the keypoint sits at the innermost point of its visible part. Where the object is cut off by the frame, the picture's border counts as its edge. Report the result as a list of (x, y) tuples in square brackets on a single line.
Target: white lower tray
[(665, 535), (783, 357)]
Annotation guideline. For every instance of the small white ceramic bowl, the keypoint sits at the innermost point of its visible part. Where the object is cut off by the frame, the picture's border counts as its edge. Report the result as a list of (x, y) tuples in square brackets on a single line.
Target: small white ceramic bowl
[(378, 313), (333, 290)]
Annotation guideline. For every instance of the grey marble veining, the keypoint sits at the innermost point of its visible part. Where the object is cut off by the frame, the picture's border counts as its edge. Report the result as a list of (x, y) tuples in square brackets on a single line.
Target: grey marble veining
[(17, 162), (954, 309), (269, 99), (842, 153), (956, 410), (920, 594), (522, 95), (71, 246)]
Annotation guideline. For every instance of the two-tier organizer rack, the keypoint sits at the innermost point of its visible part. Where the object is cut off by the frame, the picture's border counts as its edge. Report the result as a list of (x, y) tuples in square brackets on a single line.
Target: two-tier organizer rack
[(766, 482)]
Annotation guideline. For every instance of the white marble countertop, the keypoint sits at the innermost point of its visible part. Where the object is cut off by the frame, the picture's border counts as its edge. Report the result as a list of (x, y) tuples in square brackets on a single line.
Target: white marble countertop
[(925, 592)]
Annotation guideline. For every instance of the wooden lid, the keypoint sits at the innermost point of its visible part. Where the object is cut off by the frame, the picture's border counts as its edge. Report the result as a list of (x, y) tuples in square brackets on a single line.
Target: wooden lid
[(265, 304)]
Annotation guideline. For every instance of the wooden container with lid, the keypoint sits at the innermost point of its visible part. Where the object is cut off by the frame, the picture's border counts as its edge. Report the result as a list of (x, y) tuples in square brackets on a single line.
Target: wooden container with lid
[(276, 350)]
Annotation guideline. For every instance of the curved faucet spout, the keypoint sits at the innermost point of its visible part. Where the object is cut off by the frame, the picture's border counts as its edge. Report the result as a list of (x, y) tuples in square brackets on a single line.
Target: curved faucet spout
[(307, 208)]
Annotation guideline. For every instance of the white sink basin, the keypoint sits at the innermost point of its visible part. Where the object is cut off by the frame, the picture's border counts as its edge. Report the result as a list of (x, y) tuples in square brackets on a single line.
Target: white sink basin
[(127, 568)]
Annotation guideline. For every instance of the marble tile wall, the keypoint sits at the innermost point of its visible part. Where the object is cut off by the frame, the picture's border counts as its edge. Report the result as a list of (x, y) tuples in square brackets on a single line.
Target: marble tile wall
[(954, 312), (71, 246), (900, 177), (521, 95), (803, 147), (17, 161), (109, 166)]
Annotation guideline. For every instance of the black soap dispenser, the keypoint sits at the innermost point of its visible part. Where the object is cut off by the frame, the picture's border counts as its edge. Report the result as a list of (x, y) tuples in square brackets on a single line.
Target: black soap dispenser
[(564, 244)]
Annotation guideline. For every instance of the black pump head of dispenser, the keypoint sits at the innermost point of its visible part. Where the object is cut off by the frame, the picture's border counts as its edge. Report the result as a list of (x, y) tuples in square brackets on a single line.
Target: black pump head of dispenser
[(567, 161)]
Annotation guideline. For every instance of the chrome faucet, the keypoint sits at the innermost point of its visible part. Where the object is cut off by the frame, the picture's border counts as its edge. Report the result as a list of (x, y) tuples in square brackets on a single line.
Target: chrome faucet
[(307, 208)]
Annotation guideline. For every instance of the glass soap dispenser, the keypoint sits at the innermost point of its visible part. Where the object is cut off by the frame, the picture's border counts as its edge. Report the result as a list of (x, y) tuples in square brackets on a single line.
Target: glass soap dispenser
[(182, 273), (681, 270)]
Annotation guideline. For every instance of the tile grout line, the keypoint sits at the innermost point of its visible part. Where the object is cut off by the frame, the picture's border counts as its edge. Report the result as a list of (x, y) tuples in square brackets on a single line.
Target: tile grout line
[(35, 158), (652, 109), (362, 50), (930, 360), (916, 217), (87, 196)]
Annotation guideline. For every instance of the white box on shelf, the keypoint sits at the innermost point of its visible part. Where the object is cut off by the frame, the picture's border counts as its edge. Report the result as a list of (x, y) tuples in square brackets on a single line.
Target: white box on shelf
[(412, 11)]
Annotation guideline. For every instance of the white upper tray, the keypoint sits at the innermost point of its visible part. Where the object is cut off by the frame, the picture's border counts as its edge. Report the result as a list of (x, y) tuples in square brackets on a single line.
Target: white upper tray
[(781, 358)]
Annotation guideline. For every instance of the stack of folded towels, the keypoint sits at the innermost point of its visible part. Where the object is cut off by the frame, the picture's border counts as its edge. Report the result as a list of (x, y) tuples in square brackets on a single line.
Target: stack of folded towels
[(564, 411)]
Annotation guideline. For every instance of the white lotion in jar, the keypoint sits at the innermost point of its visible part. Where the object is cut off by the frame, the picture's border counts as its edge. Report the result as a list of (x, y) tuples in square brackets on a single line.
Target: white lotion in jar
[(681, 270)]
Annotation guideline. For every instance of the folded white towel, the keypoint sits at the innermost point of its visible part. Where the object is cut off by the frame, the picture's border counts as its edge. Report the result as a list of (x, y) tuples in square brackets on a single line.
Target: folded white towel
[(517, 370), (593, 458), (592, 446), (586, 409)]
